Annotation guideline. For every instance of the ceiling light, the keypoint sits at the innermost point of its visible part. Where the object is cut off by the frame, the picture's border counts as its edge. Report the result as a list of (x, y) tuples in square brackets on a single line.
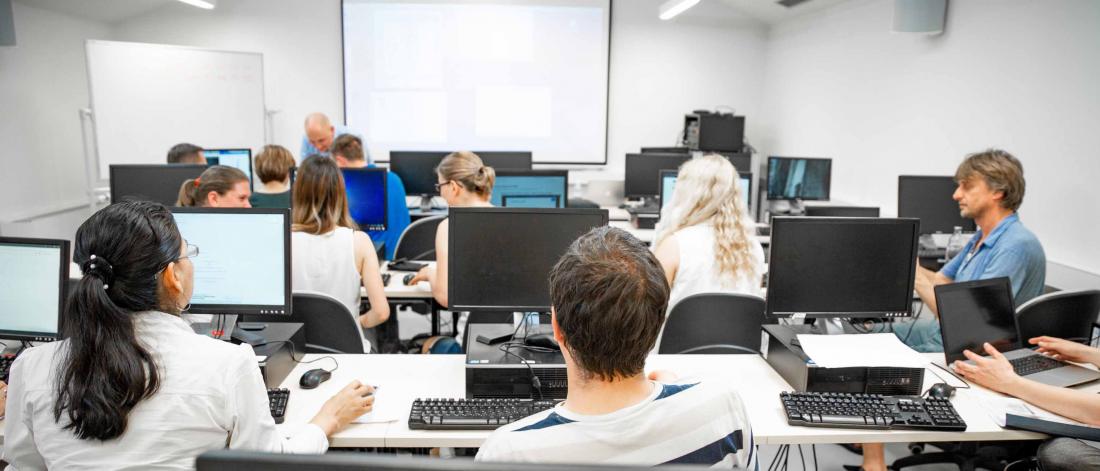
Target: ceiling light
[(671, 8), (204, 4)]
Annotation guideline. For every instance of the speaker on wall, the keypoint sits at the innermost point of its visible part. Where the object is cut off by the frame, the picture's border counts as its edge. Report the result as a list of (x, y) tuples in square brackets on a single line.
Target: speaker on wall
[(7, 24), (919, 16)]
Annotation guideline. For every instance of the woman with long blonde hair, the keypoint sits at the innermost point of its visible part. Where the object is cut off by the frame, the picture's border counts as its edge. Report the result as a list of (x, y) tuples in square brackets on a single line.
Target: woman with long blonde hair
[(705, 238)]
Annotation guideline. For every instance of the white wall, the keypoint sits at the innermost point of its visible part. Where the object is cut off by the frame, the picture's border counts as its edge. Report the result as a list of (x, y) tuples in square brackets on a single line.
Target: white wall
[(1015, 74), (43, 81)]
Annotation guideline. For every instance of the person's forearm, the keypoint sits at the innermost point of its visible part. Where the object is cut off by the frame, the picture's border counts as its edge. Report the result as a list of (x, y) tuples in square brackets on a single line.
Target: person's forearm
[(1077, 405), (925, 290)]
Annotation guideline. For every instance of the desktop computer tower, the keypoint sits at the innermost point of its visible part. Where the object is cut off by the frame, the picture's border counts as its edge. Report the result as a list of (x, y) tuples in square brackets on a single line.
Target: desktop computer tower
[(493, 373), (718, 132), (788, 359)]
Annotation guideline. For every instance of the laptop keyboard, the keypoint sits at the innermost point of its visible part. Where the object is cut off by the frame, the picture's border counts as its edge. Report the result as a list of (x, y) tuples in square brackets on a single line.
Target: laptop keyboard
[(1032, 364)]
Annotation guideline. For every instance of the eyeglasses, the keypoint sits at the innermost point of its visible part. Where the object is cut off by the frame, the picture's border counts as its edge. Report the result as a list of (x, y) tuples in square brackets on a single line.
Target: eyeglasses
[(438, 186), (190, 251)]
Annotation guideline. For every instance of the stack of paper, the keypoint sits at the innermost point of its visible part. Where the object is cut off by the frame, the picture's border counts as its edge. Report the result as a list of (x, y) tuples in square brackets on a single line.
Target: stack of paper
[(843, 351)]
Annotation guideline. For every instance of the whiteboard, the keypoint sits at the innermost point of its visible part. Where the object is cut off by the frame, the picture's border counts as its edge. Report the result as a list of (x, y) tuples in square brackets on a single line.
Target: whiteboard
[(148, 97)]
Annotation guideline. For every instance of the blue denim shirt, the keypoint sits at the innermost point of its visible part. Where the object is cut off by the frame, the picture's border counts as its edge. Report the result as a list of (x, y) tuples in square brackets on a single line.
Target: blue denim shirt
[(338, 130), (397, 214), (1010, 250)]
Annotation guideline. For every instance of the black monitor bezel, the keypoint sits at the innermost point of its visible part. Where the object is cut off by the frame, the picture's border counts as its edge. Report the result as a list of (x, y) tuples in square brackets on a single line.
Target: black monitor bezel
[(1002, 282), (456, 261), (627, 187), (112, 181), (878, 211), (528, 161), (385, 193), (251, 167), (779, 227), (969, 225), (250, 309), (62, 288), (564, 174), (828, 179)]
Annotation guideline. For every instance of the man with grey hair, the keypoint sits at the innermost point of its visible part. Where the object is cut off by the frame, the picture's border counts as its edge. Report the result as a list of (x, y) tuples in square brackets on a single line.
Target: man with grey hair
[(320, 133)]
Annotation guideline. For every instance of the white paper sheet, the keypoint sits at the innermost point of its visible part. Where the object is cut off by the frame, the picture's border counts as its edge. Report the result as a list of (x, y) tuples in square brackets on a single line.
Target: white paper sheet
[(842, 351), (997, 406), (375, 416)]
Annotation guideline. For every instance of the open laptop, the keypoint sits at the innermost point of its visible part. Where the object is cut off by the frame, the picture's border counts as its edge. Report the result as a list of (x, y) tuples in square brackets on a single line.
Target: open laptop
[(975, 312)]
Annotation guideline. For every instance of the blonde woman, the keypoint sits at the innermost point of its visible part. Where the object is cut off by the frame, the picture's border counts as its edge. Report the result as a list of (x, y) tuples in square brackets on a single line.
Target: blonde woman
[(330, 254), (704, 240)]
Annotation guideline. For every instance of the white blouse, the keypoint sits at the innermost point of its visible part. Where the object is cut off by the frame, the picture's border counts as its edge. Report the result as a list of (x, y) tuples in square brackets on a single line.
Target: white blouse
[(211, 396), (698, 270)]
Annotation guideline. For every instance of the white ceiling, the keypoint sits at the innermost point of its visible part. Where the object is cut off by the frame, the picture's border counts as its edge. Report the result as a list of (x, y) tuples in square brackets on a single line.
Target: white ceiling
[(104, 11)]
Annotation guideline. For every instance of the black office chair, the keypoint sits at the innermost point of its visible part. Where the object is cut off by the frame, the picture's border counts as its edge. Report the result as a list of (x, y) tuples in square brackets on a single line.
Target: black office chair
[(1063, 314), (330, 328), (418, 240), (714, 323)]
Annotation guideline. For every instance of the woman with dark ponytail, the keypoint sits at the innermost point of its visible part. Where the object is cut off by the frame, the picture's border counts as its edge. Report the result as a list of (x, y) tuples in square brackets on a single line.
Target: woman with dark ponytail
[(131, 385)]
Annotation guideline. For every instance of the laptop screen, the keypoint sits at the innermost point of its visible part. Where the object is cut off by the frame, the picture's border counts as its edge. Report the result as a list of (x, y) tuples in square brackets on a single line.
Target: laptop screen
[(975, 312)]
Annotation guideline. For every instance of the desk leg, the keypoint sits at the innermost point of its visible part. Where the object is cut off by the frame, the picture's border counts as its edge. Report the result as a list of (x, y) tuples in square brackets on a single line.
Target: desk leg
[(435, 307)]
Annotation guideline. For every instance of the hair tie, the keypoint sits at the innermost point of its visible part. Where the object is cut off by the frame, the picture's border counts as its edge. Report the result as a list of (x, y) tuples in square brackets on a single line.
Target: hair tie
[(197, 181), (100, 268)]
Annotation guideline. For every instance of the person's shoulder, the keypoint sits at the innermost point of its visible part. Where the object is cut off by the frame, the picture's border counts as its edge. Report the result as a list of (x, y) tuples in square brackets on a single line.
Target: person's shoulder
[(712, 394), (500, 444)]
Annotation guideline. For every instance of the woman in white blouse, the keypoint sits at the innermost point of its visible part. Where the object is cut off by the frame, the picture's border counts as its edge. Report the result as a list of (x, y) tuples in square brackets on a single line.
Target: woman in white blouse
[(132, 386), (704, 240)]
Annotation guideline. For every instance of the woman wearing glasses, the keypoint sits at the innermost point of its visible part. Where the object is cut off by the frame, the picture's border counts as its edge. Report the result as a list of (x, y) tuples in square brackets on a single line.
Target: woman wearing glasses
[(132, 386)]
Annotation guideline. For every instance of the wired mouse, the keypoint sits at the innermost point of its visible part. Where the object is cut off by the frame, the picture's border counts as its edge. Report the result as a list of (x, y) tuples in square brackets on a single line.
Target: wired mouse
[(542, 340), (942, 391), (408, 278), (313, 378)]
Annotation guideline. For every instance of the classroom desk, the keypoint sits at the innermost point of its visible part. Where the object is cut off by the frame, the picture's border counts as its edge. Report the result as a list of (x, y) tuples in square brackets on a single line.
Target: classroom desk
[(397, 292), (404, 377)]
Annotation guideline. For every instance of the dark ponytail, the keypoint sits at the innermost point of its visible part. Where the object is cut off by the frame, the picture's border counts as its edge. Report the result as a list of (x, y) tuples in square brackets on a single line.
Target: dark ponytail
[(105, 371)]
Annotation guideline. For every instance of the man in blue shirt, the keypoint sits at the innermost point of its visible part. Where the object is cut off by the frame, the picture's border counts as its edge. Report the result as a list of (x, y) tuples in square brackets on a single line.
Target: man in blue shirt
[(320, 133), (348, 151)]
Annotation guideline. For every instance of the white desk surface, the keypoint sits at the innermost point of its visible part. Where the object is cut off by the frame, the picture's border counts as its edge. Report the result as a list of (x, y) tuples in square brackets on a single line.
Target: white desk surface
[(404, 377), (396, 288)]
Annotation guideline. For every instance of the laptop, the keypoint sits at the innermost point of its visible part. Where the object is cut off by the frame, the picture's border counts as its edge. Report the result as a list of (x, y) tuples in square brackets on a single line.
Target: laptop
[(975, 312)]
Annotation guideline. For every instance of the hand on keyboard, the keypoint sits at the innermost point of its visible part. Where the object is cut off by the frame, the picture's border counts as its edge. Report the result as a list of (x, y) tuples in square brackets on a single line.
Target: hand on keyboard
[(992, 372), (1066, 350)]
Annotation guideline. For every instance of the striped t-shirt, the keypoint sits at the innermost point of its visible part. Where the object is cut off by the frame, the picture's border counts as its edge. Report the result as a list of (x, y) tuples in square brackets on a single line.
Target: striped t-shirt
[(700, 423)]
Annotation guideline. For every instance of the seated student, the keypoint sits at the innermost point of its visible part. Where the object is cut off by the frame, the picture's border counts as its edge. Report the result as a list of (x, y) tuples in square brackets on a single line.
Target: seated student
[(347, 150), (994, 372), (218, 187), (185, 153), (131, 385), (273, 165), (330, 254), (609, 296)]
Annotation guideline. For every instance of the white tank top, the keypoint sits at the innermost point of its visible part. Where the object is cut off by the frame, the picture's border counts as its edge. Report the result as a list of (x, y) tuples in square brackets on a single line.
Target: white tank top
[(698, 268), (326, 264)]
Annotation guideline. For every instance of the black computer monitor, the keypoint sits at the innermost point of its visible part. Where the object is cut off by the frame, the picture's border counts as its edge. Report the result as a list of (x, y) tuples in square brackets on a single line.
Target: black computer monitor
[(742, 161), (668, 184), (801, 178), (974, 312), (32, 287), (159, 183), (240, 159), (417, 168), (237, 460), (530, 188), (841, 267), (366, 189), (501, 257), (843, 211), (243, 266), (644, 170), (666, 150), (930, 199)]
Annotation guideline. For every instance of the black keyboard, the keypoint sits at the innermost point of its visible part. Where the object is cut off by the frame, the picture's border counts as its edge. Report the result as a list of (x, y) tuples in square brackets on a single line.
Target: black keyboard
[(872, 411), (1031, 364), (472, 414), (5, 366), (277, 398), (385, 279)]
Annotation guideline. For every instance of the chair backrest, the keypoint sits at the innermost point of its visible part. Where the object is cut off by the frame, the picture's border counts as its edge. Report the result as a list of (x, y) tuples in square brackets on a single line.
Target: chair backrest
[(329, 327), (711, 320), (1063, 314), (418, 240)]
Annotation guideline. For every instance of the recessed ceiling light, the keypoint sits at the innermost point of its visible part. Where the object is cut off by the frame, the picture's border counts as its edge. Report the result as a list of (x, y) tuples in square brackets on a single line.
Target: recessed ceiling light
[(204, 4)]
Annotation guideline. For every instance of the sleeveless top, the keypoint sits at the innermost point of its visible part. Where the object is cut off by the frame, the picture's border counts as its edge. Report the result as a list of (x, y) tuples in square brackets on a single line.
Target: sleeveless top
[(326, 264), (698, 270)]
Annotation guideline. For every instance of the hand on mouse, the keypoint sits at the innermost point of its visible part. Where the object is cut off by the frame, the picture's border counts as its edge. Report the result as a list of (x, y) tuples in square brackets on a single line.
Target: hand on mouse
[(994, 372), (351, 402), (1066, 350), (422, 275)]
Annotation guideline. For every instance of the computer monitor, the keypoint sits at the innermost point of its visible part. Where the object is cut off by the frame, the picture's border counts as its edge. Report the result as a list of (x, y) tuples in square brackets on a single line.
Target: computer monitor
[(930, 199), (501, 257), (644, 170), (239, 460), (243, 266), (666, 150), (843, 211), (668, 184), (530, 188), (791, 178), (746, 187), (366, 189), (841, 267), (742, 161), (417, 168), (974, 312), (240, 159), (159, 183), (32, 287)]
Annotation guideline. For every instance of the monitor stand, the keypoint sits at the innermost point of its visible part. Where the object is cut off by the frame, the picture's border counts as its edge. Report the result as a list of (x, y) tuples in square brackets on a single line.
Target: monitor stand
[(425, 203), (798, 208)]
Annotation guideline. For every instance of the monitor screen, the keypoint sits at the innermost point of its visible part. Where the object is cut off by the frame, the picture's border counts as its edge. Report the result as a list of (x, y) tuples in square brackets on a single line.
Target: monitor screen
[(32, 287), (240, 159), (243, 266), (501, 257), (159, 183), (975, 312), (668, 184), (931, 199), (366, 189), (841, 267), (643, 172), (417, 168), (530, 188), (792, 178), (746, 188)]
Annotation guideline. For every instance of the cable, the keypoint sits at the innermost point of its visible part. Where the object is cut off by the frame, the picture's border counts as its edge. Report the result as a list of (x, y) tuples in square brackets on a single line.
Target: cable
[(913, 324), (814, 449), (536, 385), (952, 373), (802, 457), (294, 348)]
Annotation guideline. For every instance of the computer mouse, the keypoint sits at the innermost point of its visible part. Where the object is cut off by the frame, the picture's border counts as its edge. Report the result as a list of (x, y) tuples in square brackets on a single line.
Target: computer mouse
[(942, 391), (542, 340), (408, 278), (313, 378)]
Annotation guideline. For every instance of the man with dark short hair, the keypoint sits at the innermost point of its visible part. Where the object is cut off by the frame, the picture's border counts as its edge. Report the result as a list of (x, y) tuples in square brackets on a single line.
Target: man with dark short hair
[(608, 295), (185, 153)]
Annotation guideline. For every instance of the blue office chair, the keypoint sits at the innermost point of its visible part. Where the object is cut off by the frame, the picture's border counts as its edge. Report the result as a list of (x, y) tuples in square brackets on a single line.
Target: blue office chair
[(714, 323)]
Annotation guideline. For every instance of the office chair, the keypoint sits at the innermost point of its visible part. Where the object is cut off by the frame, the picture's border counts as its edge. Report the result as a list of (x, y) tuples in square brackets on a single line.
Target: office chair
[(1063, 314), (714, 323), (329, 327), (581, 203), (418, 240)]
